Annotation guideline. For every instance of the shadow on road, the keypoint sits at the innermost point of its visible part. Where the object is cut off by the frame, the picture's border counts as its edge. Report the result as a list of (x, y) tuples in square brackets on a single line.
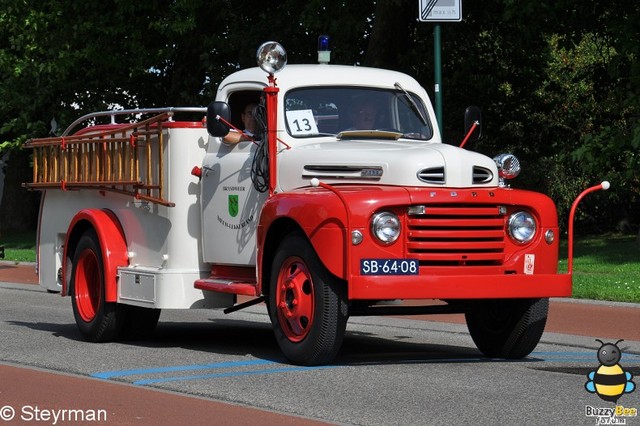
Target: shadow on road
[(251, 338)]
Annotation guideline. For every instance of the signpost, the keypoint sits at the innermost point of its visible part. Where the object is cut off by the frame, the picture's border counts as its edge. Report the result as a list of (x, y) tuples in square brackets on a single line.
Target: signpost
[(439, 11)]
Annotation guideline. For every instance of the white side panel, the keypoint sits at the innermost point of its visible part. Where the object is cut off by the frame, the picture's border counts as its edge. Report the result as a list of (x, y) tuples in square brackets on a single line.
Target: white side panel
[(164, 240), (187, 148)]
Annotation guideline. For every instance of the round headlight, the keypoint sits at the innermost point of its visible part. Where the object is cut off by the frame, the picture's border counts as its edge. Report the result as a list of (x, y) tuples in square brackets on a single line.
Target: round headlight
[(386, 227), (522, 227), (508, 165), (271, 57)]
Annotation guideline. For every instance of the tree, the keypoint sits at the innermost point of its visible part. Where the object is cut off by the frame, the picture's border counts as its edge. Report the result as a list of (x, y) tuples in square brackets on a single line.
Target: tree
[(558, 81)]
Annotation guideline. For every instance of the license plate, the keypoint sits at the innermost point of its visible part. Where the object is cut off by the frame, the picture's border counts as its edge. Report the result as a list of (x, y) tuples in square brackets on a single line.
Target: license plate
[(389, 267)]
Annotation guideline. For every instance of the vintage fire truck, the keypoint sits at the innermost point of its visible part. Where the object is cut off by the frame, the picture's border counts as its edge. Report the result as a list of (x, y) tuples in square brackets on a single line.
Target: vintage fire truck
[(318, 215)]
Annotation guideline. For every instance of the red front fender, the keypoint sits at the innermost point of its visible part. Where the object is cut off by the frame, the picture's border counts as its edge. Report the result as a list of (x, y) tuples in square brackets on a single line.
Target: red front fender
[(324, 214), (319, 215), (113, 245)]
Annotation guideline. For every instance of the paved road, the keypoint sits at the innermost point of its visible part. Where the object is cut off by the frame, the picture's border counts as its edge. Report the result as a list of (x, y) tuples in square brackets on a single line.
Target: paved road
[(205, 368)]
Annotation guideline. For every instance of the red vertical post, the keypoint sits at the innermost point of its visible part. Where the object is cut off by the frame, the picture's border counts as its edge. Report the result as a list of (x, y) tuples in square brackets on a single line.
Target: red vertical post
[(271, 93)]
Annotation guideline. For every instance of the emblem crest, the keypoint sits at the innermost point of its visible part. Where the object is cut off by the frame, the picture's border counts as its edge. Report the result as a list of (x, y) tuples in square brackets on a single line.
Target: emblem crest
[(233, 205)]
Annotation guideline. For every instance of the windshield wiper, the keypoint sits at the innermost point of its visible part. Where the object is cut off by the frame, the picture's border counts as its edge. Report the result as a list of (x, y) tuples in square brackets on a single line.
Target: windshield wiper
[(413, 104)]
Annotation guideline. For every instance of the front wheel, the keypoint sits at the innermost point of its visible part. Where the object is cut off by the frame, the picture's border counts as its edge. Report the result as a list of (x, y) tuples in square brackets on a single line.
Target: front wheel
[(307, 304), (97, 320), (509, 328)]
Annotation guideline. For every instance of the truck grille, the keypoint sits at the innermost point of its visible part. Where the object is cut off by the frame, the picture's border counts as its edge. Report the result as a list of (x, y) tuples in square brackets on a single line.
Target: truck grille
[(457, 235)]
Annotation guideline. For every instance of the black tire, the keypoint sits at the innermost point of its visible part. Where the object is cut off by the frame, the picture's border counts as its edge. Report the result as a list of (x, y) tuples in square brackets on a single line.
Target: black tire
[(509, 328), (139, 322), (307, 304), (97, 320)]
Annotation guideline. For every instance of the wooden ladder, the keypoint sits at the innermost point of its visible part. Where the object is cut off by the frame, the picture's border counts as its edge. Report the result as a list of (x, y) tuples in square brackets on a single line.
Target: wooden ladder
[(122, 158)]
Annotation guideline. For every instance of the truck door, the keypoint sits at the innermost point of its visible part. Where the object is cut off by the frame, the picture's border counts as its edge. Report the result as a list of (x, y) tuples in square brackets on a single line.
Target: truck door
[(230, 203)]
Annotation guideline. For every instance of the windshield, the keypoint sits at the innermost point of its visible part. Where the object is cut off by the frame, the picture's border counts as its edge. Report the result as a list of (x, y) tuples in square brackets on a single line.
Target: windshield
[(322, 111)]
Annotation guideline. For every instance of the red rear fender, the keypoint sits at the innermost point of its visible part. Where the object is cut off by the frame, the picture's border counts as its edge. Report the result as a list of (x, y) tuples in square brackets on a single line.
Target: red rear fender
[(113, 245)]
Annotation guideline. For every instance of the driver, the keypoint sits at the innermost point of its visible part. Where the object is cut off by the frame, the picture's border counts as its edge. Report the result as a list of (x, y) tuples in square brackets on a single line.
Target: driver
[(364, 115), (250, 126)]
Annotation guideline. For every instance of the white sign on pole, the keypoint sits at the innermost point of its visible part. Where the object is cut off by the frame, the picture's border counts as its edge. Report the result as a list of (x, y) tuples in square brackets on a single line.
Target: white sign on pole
[(440, 10)]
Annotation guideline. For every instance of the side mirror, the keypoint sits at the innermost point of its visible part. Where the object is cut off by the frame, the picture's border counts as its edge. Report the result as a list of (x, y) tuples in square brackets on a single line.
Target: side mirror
[(473, 115), (217, 127)]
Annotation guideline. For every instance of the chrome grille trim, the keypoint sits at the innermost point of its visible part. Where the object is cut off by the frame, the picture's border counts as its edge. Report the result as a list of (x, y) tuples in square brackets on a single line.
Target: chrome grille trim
[(342, 172), (481, 175), (433, 175)]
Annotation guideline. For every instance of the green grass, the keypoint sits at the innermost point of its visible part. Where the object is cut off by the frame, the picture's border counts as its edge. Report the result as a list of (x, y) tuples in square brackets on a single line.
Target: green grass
[(605, 267), (19, 247)]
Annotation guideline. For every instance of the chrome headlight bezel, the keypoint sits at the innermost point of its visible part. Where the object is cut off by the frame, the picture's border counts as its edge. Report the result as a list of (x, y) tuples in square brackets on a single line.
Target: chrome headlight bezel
[(386, 227), (522, 227)]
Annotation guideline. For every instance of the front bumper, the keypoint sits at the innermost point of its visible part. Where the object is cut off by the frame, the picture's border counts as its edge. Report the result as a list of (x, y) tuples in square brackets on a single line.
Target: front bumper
[(459, 286)]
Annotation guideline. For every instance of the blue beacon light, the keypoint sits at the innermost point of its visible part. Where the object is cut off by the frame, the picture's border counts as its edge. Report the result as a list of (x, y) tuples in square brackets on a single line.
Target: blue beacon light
[(324, 52)]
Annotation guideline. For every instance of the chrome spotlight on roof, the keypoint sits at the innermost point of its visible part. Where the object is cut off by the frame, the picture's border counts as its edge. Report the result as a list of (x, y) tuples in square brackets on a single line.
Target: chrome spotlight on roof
[(271, 57)]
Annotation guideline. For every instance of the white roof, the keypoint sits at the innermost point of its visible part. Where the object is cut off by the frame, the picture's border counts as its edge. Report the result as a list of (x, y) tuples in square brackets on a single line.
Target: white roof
[(326, 75)]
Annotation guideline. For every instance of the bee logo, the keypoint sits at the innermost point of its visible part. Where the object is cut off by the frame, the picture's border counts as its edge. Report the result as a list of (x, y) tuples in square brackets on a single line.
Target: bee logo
[(609, 381)]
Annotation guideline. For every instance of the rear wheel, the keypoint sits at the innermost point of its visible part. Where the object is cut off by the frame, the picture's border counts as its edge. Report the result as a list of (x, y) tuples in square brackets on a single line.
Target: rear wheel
[(97, 320), (307, 304), (509, 328)]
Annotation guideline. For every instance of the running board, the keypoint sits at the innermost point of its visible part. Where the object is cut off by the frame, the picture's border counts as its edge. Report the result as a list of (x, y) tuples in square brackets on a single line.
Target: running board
[(226, 286)]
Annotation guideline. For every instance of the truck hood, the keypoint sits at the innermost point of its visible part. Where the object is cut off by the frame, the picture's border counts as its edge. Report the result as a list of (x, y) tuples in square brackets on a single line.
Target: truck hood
[(385, 163)]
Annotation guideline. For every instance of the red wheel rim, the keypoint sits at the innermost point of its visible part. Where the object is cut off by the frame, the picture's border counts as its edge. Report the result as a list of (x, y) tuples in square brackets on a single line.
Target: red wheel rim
[(87, 286), (295, 303)]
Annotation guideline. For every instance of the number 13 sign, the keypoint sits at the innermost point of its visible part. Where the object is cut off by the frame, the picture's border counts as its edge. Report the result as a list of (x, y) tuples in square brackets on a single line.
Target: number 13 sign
[(302, 123)]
